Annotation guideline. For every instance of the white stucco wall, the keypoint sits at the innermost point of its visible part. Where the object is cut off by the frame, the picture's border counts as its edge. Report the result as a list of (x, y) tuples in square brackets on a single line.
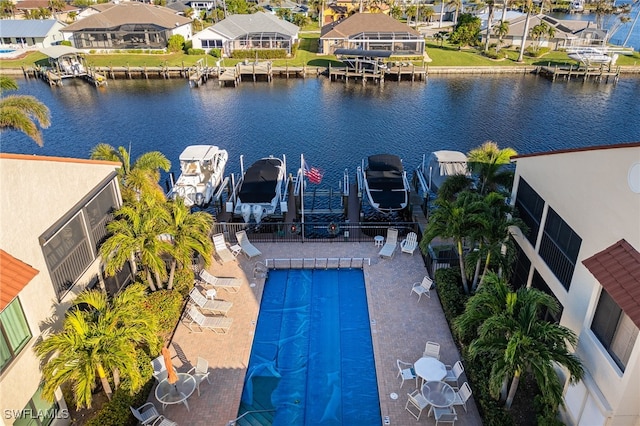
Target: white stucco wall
[(589, 189), (35, 192)]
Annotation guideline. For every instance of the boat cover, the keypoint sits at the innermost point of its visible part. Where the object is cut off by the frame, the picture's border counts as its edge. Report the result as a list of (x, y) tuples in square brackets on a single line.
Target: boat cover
[(385, 180), (260, 181), (449, 162), (199, 152)]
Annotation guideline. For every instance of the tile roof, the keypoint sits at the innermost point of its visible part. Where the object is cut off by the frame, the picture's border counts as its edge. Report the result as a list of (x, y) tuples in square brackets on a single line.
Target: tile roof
[(365, 22), (617, 269), (14, 276), (238, 25), (130, 13), (27, 27)]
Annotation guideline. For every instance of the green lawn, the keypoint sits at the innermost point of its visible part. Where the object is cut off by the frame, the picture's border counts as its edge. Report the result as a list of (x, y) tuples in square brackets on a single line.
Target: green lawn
[(446, 55)]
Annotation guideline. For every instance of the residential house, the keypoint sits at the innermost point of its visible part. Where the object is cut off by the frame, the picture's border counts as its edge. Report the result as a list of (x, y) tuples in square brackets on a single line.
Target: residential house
[(30, 33), (130, 25), (371, 31), (243, 32), (582, 211), (286, 6), (25, 8), (199, 6), (54, 213), (334, 13)]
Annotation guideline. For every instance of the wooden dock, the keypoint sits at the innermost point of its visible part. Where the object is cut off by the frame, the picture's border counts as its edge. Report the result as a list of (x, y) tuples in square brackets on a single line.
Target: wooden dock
[(397, 72), (600, 73)]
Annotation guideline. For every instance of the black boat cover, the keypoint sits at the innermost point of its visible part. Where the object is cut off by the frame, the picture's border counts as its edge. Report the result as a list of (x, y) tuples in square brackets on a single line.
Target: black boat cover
[(260, 181), (384, 178)]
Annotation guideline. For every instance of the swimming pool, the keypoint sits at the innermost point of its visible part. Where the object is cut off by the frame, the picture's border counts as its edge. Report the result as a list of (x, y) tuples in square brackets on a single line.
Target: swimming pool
[(7, 50), (312, 355)]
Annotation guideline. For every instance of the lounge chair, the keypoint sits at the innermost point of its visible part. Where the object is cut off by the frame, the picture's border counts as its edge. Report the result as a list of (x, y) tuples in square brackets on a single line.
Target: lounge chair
[(216, 307), (222, 249), (247, 248), (232, 285), (216, 324), (409, 244), (389, 247), (423, 287)]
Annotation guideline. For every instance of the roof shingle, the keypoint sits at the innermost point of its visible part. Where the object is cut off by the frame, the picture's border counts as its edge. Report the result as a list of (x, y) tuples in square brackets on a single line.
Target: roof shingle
[(14, 276), (617, 269)]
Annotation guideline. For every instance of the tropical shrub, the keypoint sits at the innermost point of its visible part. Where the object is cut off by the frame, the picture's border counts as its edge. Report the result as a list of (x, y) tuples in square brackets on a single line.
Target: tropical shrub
[(260, 54), (216, 53), (195, 51), (166, 306), (65, 43), (175, 43)]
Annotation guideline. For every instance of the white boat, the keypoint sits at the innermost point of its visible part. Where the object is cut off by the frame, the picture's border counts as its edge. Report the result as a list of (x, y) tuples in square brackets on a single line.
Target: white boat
[(577, 6), (590, 56), (385, 182), (201, 172), (260, 190), (436, 168)]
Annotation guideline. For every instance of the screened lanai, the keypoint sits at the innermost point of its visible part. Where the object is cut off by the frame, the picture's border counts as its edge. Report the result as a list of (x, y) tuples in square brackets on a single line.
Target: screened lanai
[(127, 36), (400, 43), (261, 40)]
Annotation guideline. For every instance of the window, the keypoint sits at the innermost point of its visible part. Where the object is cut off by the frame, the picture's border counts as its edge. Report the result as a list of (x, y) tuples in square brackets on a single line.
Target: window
[(559, 247), (614, 329), (530, 206), (539, 283), (71, 245), (39, 412), (521, 269), (115, 283), (14, 334), (211, 44)]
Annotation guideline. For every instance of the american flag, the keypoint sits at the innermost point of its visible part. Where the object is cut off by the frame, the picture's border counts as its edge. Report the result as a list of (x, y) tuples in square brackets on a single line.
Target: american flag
[(314, 174)]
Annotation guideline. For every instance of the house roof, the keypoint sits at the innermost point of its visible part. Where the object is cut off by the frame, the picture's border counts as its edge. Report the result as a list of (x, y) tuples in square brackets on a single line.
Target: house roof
[(365, 22), (617, 269), (235, 26), (37, 4), (588, 148), (27, 27), (14, 276), (564, 29), (25, 157), (115, 15)]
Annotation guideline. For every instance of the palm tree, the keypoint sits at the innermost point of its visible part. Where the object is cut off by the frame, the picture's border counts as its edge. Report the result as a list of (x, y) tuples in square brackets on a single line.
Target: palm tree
[(456, 220), (527, 7), (98, 342), (501, 30), (190, 234), (137, 236), (488, 163), (142, 176), (491, 5), (513, 337), (23, 113), (457, 5), (538, 32)]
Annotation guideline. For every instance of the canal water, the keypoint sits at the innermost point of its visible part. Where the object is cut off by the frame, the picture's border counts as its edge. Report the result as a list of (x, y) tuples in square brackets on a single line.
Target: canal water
[(335, 125)]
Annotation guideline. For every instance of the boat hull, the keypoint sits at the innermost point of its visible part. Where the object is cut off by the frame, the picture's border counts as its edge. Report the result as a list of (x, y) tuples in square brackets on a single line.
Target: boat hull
[(202, 171), (385, 183), (260, 190)]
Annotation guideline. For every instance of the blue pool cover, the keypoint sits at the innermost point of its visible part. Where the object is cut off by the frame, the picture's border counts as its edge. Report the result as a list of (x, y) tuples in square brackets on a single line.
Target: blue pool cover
[(312, 355)]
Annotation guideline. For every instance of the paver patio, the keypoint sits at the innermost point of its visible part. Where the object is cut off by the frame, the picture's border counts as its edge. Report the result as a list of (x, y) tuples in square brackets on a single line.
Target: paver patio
[(400, 326)]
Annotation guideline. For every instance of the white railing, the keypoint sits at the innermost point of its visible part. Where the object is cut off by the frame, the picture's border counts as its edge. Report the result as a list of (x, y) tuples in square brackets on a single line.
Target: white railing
[(318, 263)]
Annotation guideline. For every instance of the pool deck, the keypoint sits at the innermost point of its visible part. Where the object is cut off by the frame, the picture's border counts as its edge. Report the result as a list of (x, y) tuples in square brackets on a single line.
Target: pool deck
[(400, 328)]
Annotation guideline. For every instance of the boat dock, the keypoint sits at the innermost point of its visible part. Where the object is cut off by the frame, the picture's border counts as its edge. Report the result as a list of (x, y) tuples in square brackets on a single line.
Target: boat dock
[(600, 73), (397, 72)]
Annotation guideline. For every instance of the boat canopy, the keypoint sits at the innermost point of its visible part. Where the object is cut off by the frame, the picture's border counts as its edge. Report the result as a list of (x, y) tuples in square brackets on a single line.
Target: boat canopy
[(59, 50), (385, 179), (449, 162), (199, 153), (363, 53), (260, 181)]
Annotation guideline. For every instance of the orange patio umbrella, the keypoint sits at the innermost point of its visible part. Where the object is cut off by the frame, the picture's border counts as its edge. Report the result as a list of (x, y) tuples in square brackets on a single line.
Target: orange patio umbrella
[(172, 377)]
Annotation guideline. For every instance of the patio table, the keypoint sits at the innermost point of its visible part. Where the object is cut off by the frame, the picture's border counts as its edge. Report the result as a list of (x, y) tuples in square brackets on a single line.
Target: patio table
[(178, 392), (430, 369), (439, 394)]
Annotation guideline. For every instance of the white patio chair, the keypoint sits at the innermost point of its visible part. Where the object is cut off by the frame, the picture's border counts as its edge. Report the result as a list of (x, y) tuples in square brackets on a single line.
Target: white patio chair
[(159, 369), (410, 243), (163, 421), (247, 248), (416, 402), (146, 413), (462, 396), (200, 372), (216, 307), (444, 415), (222, 249), (232, 285), (405, 370), (454, 373), (423, 287), (390, 244), (216, 324), (432, 349)]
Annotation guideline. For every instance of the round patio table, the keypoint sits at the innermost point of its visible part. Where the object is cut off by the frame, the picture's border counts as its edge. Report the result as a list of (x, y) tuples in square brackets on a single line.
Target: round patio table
[(178, 392), (439, 394), (430, 369)]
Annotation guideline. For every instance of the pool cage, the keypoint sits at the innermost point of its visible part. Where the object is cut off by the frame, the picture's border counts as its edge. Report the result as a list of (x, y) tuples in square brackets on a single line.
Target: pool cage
[(262, 40), (400, 43)]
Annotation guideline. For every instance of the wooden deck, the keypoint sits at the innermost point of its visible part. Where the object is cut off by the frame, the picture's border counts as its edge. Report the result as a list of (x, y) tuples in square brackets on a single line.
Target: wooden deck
[(600, 73)]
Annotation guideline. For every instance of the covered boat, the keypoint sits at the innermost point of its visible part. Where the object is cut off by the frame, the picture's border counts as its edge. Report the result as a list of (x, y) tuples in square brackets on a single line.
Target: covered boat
[(385, 183), (201, 172), (260, 190), (440, 165)]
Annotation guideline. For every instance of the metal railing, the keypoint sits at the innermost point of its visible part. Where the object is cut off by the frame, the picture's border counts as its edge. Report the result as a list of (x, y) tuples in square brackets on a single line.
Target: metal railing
[(233, 422)]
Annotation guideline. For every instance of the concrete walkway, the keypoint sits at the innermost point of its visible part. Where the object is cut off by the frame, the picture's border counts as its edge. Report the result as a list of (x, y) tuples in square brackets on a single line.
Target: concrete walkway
[(400, 328)]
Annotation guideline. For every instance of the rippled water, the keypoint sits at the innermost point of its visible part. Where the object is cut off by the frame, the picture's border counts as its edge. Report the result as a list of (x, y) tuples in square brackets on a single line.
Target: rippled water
[(334, 125)]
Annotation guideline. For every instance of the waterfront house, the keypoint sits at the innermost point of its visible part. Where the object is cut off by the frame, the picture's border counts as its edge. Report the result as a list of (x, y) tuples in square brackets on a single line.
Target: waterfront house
[(131, 25), (334, 13), (582, 209), (371, 31), (30, 33), (54, 213), (26, 8), (248, 32)]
